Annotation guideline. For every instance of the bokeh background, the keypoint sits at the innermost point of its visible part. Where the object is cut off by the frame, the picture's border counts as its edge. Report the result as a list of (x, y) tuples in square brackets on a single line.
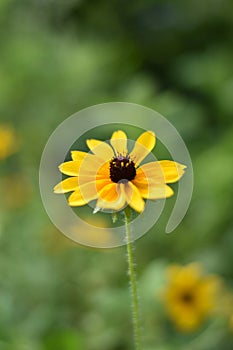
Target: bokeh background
[(58, 57)]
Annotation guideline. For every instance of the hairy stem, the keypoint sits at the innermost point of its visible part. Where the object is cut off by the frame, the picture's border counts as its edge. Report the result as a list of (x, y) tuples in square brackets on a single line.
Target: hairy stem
[(133, 283)]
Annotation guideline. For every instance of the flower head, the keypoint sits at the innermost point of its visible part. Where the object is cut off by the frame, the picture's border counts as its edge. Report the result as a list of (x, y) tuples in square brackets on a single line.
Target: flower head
[(115, 177), (190, 296)]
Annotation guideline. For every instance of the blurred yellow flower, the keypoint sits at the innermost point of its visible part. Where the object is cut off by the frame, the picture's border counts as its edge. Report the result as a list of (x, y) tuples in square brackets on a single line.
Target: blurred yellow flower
[(190, 297), (113, 176), (231, 323), (225, 309), (7, 141), (16, 190)]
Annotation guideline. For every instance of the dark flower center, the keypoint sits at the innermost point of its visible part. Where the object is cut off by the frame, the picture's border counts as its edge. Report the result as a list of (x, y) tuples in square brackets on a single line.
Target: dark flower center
[(187, 298), (122, 168)]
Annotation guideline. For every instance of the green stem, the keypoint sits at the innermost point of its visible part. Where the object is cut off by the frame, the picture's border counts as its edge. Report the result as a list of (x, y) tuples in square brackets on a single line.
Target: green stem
[(133, 283)]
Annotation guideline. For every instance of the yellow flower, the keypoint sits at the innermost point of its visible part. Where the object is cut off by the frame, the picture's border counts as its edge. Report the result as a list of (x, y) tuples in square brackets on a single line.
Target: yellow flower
[(231, 323), (190, 296), (16, 190), (225, 307), (114, 177), (7, 141)]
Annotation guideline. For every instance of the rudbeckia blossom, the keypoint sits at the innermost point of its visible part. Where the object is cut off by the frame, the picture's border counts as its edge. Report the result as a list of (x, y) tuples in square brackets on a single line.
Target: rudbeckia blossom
[(190, 296), (115, 177)]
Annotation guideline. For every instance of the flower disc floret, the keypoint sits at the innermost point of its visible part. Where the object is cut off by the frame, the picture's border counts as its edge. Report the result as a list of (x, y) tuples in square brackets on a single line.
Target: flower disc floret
[(122, 168)]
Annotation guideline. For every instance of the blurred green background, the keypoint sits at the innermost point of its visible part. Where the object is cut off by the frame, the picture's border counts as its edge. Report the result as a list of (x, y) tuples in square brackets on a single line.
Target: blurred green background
[(58, 57)]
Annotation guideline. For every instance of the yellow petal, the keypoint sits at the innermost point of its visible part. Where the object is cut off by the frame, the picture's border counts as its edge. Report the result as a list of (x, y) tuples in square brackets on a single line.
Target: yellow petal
[(152, 187), (76, 198), (101, 183), (101, 149), (67, 185), (165, 171), (78, 155), (143, 146), (119, 142), (87, 192), (90, 168), (154, 191), (89, 161), (104, 170), (112, 197), (92, 165), (109, 193), (172, 170), (70, 168), (133, 197), (150, 172)]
